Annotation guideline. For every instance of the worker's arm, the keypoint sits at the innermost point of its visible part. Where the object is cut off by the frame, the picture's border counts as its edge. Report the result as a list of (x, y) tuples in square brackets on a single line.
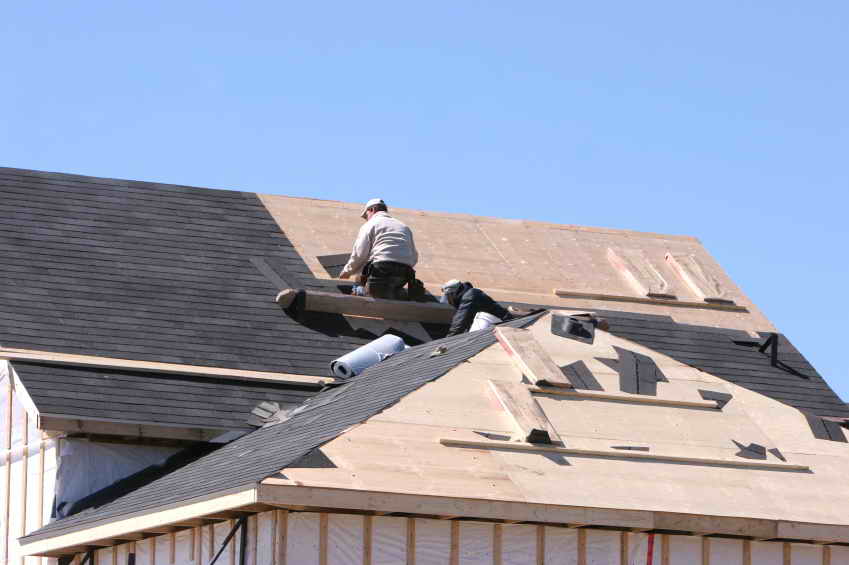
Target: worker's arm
[(465, 314), (361, 251)]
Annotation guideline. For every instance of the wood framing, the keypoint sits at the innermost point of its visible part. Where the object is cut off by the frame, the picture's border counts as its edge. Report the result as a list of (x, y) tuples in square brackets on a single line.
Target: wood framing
[(617, 454), (335, 303), (563, 293), (625, 397), (36, 356), (530, 420), (530, 358), (65, 424)]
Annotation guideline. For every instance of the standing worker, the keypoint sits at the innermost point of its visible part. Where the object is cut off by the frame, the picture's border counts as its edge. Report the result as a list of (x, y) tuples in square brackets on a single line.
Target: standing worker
[(384, 253), (469, 301)]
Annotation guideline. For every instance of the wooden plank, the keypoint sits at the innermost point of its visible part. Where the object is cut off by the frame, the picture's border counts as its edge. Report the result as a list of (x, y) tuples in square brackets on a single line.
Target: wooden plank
[(664, 549), (14, 354), (24, 477), (787, 553), (497, 544), (8, 467), (335, 303), (194, 544), (705, 551), (52, 423), (367, 539), (582, 547), (322, 538), (747, 552), (540, 545), (230, 525), (532, 424), (530, 358), (696, 276), (455, 543), (563, 293), (411, 541), (625, 397), (623, 548), (826, 555), (616, 454), (281, 536)]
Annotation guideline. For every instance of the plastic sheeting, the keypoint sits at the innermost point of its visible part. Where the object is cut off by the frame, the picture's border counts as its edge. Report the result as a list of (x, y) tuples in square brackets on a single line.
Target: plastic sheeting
[(4, 437), (344, 539), (433, 542), (767, 553), (389, 541), (86, 467), (638, 545), (603, 547), (302, 541), (561, 546), (839, 555), (518, 544), (805, 554), (265, 538), (475, 543), (685, 549)]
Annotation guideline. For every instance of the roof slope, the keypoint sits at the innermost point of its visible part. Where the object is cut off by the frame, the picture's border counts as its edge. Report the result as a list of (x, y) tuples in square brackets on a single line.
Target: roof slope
[(264, 452), (714, 350), (150, 398), (153, 272)]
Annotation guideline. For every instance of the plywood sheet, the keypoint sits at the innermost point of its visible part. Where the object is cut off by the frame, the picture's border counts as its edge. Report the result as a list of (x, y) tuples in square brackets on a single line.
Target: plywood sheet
[(511, 259)]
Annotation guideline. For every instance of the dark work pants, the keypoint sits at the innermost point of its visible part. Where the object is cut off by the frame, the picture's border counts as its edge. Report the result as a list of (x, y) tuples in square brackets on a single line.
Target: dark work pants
[(386, 279)]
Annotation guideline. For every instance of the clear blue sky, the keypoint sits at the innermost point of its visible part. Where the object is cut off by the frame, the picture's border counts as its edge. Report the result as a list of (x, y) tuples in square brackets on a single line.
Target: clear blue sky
[(724, 120)]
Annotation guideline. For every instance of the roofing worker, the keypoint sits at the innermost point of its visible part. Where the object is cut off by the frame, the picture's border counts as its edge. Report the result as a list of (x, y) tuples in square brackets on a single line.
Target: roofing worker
[(384, 253), (469, 301)]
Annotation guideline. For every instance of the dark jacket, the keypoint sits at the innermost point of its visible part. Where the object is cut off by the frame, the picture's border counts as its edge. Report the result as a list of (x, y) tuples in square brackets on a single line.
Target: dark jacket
[(469, 301)]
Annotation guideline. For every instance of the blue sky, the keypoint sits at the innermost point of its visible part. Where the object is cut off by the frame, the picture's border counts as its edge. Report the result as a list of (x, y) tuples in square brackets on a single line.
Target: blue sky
[(725, 120)]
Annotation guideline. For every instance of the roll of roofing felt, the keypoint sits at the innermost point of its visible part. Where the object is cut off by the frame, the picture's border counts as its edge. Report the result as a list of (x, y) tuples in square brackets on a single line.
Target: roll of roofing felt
[(360, 359)]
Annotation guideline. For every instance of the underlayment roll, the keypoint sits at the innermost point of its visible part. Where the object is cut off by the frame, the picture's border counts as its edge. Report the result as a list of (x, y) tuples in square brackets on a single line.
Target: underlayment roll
[(360, 359), (483, 320)]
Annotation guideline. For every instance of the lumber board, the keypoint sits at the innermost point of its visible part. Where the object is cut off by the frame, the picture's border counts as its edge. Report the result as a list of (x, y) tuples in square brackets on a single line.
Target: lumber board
[(563, 293), (335, 303), (530, 358), (12, 354), (624, 397), (616, 454), (529, 418)]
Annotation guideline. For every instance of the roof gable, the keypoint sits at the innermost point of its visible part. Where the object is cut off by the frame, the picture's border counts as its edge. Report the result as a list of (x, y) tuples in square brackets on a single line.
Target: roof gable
[(267, 450)]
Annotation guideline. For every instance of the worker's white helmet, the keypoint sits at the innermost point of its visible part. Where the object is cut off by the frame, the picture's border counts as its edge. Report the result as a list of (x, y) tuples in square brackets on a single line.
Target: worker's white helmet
[(448, 288), (369, 204)]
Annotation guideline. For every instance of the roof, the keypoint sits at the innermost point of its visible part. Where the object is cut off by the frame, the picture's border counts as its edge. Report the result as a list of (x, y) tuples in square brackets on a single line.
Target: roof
[(720, 352), (265, 451), (150, 398), (153, 272)]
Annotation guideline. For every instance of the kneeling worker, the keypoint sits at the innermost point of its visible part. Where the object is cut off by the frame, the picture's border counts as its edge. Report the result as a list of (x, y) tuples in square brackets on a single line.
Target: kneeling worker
[(384, 252), (469, 301)]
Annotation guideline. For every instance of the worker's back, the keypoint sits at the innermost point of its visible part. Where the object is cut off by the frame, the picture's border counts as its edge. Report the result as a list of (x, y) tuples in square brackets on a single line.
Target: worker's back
[(392, 240)]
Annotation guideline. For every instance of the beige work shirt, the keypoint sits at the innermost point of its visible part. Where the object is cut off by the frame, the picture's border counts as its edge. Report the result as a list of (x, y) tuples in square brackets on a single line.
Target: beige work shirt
[(382, 238)]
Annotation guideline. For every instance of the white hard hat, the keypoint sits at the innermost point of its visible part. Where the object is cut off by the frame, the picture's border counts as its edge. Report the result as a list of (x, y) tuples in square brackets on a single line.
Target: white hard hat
[(449, 287), (369, 204)]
